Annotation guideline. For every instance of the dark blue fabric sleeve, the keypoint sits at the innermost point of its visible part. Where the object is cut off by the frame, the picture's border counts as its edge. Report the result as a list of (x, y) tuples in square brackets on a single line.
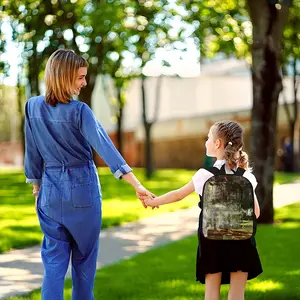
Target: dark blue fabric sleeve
[(33, 162), (97, 137)]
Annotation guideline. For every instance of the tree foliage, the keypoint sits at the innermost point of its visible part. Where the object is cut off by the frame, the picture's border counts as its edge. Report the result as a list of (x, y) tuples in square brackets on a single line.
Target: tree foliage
[(98, 30)]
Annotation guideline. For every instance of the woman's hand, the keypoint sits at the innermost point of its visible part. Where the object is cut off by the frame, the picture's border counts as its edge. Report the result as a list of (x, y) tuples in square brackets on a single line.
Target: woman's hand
[(35, 193), (36, 198), (141, 192)]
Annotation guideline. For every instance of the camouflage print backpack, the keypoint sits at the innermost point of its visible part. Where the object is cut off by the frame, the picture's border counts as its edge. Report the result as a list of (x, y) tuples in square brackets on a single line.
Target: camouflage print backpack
[(228, 206)]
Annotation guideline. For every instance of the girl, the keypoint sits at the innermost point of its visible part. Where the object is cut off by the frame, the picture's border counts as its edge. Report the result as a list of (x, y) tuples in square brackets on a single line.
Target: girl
[(59, 134), (220, 262)]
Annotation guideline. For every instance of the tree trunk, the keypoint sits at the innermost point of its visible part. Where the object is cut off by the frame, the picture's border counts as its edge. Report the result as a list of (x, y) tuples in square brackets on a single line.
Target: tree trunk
[(296, 162), (288, 152), (120, 120), (20, 96), (33, 74), (268, 23), (148, 150), (147, 127)]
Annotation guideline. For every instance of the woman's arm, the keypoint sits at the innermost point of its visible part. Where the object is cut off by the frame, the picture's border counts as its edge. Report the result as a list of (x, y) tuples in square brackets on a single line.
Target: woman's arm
[(98, 138), (172, 196), (141, 192), (33, 162), (132, 180)]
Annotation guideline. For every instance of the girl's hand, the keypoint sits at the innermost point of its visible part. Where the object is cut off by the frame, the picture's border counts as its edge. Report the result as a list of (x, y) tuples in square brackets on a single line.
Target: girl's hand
[(151, 202)]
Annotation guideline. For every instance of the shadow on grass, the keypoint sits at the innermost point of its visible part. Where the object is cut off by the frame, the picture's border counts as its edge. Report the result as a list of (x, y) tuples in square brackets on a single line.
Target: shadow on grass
[(116, 221), (26, 229), (120, 204), (168, 272)]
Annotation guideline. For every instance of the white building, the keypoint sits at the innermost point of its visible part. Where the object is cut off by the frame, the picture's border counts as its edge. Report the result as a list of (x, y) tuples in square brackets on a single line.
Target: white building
[(187, 109)]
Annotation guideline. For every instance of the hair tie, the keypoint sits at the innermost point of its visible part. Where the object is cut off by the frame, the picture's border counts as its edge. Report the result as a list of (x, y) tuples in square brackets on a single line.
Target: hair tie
[(229, 143)]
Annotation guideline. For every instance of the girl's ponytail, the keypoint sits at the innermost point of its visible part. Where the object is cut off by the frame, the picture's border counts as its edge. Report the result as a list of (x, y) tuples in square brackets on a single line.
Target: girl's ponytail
[(243, 161), (231, 133)]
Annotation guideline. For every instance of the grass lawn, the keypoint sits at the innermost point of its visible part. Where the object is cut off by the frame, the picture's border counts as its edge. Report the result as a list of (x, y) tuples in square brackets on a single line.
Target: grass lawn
[(168, 272), (19, 225)]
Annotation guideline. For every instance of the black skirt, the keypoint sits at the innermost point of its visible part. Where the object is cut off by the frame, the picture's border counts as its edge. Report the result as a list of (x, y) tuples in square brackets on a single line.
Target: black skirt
[(214, 256)]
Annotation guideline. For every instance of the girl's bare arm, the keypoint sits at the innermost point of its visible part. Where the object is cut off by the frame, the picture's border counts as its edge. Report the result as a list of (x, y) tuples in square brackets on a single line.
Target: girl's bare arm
[(256, 207), (172, 196)]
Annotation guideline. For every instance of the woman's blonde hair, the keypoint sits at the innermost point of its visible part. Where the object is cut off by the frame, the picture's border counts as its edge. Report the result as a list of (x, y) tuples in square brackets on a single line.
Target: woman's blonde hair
[(60, 75), (231, 134)]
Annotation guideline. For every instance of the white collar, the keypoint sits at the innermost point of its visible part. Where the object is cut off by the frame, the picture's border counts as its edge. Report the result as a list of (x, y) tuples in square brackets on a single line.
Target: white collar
[(219, 163)]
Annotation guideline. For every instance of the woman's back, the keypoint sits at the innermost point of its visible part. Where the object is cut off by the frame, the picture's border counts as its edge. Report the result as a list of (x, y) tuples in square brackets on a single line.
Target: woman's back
[(57, 131)]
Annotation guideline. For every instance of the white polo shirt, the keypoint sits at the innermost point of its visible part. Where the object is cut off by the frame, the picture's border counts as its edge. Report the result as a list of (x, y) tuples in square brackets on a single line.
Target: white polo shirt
[(202, 175)]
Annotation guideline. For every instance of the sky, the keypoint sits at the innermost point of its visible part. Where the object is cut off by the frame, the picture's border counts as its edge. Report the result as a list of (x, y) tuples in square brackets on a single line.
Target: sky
[(12, 52)]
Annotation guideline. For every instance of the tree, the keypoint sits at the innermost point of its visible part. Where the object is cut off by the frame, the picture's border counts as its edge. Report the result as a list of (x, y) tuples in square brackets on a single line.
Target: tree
[(268, 19), (224, 26), (220, 27), (152, 22), (89, 28), (94, 29), (117, 100), (291, 51)]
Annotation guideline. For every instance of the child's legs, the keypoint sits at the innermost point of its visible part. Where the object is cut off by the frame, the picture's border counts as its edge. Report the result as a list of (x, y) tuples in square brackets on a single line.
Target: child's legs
[(238, 282), (212, 286)]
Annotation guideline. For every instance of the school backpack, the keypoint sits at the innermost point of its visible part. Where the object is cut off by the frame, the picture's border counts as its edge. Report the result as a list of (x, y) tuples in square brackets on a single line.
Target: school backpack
[(228, 206)]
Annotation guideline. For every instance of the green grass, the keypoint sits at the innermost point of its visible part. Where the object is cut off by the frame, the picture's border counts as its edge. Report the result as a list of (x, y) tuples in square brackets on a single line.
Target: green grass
[(282, 178), (168, 272), (19, 224)]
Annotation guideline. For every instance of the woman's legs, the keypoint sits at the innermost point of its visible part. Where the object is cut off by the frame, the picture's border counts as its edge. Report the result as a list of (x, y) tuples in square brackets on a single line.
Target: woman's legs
[(238, 282), (55, 254), (212, 286), (84, 245), (83, 272)]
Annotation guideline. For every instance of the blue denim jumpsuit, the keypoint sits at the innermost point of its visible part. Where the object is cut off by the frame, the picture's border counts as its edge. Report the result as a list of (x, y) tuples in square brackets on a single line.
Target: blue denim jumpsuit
[(58, 157)]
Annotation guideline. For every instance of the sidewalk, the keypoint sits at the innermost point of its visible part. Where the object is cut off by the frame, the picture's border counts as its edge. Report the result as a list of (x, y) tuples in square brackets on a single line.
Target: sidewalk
[(21, 271)]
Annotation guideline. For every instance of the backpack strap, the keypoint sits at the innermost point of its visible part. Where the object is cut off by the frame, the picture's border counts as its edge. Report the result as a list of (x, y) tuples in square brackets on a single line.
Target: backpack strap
[(239, 172), (222, 171), (213, 170), (216, 171)]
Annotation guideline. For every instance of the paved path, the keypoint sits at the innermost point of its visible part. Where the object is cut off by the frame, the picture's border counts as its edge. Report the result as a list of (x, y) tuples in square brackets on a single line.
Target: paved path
[(21, 270)]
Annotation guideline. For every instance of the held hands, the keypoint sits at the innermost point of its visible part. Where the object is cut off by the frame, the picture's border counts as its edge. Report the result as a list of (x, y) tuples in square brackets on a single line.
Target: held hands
[(143, 194), (150, 201)]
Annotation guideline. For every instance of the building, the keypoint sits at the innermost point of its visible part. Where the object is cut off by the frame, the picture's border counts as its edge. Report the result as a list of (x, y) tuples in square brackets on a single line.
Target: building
[(187, 109)]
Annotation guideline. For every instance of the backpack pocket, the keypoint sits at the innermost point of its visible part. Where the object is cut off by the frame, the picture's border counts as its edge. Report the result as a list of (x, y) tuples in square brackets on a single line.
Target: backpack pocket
[(228, 208)]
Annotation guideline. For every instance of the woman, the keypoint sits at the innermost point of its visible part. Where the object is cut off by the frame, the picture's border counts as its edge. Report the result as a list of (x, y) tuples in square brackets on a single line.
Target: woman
[(59, 135)]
